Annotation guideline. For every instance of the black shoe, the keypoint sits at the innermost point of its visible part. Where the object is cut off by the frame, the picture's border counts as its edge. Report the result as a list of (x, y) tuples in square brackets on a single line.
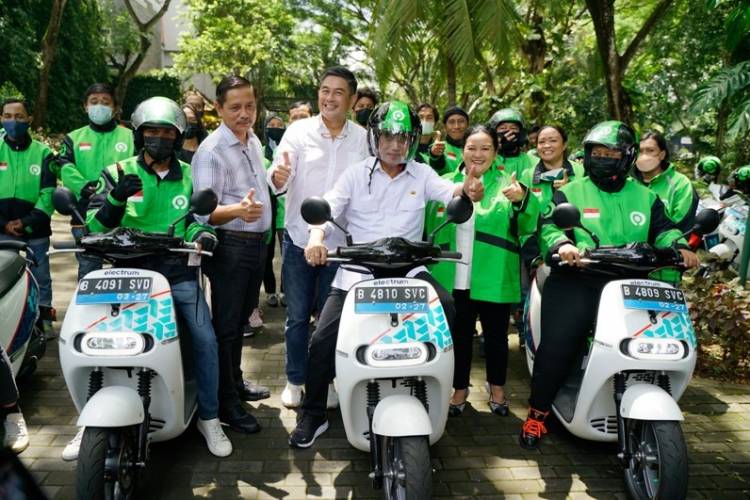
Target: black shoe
[(457, 410), (252, 392), (501, 409), (238, 419), (307, 431)]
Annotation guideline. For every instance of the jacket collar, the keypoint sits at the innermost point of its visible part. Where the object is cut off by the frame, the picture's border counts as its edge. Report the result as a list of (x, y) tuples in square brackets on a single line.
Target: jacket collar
[(107, 127), (175, 171), (539, 170), (21, 145)]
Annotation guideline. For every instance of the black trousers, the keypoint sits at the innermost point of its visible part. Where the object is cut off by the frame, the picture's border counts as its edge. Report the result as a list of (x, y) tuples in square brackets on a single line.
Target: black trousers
[(569, 306), (235, 272), (321, 362), (494, 319)]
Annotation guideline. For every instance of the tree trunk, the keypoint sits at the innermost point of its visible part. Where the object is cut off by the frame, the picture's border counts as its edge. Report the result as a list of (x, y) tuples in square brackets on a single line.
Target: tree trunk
[(49, 46), (450, 72)]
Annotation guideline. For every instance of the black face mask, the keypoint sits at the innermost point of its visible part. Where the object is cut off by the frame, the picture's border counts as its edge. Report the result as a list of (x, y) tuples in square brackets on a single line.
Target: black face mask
[(512, 147), (607, 173), (275, 133), (191, 131), (363, 115), (158, 148)]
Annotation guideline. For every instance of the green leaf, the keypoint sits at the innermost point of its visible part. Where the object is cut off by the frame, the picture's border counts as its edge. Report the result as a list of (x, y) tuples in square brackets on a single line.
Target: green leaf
[(740, 119), (725, 84)]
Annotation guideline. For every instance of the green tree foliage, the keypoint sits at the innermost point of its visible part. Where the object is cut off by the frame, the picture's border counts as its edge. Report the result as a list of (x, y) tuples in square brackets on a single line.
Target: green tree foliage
[(142, 87)]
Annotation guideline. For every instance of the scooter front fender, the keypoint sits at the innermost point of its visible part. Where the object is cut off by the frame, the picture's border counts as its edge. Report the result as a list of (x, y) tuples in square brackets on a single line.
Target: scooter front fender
[(401, 415), (114, 406), (649, 402)]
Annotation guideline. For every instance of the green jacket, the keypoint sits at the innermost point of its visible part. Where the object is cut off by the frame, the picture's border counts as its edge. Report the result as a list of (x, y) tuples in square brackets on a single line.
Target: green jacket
[(498, 226), (26, 185), (86, 151), (633, 214), (450, 160), (543, 187), (677, 193), (518, 164), (280, 201)]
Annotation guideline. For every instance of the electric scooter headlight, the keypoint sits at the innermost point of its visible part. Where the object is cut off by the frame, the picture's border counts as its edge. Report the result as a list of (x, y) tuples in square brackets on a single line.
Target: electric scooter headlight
[(112, 344), (408, 354), (646, 348)]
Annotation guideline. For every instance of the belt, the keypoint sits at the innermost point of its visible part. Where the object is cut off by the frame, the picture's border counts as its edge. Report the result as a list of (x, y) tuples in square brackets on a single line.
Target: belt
[(245, 235)]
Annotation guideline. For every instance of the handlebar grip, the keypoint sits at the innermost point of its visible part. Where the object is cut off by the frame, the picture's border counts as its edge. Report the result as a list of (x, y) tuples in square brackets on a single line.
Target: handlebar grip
[(556, 257), (64, 245), (451, 255)]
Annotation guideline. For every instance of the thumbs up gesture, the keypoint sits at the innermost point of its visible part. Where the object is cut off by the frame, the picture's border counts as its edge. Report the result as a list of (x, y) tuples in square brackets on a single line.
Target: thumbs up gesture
[(561, 182), (438, 147), (473, 186), (282, 172), (514, 191), (250, 209)]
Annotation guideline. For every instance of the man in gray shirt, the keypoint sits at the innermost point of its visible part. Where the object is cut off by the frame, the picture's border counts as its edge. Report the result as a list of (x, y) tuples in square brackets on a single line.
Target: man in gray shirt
[(230, 161)]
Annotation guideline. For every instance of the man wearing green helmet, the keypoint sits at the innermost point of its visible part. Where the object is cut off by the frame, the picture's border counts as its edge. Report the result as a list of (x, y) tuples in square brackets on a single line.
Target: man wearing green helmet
[(382, 196), (511, 131), (739, 180), (618, 210), (148, 192)]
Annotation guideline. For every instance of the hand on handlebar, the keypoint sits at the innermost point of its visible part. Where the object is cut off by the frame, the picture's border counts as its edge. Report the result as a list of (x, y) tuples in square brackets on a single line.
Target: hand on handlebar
[(570, 255), (205, 241), (316, 254), (689, 259)]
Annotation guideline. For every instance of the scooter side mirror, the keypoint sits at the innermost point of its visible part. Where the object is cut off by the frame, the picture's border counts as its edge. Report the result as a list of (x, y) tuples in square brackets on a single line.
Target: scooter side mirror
[(706, 221), (459, 210), (566, 216), (316, 210), (203, 202), (64, 200)]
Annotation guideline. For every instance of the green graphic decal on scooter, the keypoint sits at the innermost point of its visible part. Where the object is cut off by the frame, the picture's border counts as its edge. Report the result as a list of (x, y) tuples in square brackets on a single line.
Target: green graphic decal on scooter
[(431, 327), (671, 326), (155, 317)]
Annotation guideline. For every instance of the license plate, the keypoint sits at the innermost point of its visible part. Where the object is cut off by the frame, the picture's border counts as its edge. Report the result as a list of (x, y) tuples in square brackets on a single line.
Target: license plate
[(653, 298), (390, 299), (113, 290)]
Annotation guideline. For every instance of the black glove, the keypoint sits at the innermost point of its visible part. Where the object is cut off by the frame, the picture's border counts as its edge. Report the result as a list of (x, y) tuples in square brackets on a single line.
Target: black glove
[(207, 241), (88, 190), (127, 186)]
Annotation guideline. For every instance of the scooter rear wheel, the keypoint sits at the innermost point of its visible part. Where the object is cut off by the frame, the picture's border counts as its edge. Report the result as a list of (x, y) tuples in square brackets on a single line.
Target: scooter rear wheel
[(407, 471), (658, 467), (102, 448)]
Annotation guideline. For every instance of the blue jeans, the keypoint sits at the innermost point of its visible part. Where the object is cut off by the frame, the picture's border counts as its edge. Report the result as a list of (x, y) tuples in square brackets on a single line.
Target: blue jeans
[(193, 310), (40, 247), (86, 263), (301, 284)]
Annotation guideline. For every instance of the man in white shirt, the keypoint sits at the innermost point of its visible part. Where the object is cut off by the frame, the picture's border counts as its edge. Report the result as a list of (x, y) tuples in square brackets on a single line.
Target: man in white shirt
[(312, 155), (382, 196)]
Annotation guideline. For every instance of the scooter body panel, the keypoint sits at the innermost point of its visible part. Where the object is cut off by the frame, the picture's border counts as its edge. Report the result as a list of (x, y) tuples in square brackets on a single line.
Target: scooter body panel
[(389, 420), (18, 313), (112, 406), (649, 402), (358, 331)]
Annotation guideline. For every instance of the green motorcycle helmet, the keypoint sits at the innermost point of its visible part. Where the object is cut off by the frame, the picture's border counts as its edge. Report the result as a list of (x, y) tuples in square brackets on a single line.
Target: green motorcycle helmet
[(708, 169), (509, 115), (394, 118), (610, 174), (158, 112), (739, 179)]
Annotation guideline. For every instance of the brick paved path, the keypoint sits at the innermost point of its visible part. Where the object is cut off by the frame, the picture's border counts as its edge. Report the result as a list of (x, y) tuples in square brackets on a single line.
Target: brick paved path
[(477, 458)]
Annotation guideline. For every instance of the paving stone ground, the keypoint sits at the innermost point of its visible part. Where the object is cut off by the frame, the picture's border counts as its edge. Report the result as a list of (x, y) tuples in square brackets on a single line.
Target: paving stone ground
[(478, 456)]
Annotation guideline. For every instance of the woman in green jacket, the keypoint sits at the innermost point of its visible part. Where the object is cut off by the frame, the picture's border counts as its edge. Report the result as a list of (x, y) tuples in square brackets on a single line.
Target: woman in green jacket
[(489, 282)]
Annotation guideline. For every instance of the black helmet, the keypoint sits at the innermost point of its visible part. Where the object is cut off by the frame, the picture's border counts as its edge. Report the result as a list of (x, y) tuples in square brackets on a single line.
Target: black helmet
[(610, 174), (708, 169), (394, 117), (739, 179)]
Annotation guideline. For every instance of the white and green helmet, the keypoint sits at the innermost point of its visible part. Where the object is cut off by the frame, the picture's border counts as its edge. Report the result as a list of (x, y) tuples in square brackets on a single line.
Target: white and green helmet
[(394, 118)]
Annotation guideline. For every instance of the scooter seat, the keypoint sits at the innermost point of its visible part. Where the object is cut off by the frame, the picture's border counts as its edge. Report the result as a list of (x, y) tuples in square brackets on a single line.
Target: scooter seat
[(12, 267), (542, 272)]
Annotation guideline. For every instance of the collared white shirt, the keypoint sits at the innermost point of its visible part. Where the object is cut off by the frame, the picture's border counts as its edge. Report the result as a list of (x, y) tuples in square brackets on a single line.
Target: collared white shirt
[(375, 205), (317, 162), (465, 245), (231, 169)]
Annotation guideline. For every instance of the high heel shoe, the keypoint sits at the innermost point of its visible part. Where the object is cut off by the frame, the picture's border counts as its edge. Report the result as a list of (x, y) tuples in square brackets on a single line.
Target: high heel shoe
[(501, 409), (457, 410)]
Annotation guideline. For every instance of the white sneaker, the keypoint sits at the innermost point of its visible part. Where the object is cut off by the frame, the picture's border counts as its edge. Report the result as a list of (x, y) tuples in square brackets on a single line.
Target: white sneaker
[(218, 442), (256, 319), (16, 434), (291, 397), (333, 397), (70, 452)]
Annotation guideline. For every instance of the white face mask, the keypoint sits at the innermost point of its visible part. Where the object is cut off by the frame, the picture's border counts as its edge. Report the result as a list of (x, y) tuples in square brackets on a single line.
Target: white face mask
[(427, 127), (646, 163)]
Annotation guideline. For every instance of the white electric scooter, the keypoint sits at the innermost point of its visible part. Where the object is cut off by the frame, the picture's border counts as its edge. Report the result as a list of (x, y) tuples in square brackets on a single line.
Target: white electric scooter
[(635, 367), (394, 355), (128, 368)]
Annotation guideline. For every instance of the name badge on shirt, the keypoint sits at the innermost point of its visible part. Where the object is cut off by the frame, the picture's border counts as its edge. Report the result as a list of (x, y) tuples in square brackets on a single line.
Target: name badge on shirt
[(451, 155), (591, 213), (537, 191), (84, 146), (137, 197), (3, 165), (440, 212)]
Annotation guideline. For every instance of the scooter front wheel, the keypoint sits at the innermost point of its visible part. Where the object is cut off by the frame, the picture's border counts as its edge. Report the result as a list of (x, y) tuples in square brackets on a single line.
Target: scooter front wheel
[(407, 471), (106, 464), (658, 466)]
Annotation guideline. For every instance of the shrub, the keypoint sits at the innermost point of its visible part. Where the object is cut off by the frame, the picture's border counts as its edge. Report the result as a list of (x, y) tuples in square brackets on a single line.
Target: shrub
[(141, 87)]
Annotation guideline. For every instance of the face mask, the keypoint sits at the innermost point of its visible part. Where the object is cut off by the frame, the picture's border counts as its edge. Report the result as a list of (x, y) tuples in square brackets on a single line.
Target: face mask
[(275, 134), (363, 115), (191, 131), (99, 113), (15, 129), (428, 127), (606, 173), (158, 148), (646, 163), (509, 147), (552, 175)]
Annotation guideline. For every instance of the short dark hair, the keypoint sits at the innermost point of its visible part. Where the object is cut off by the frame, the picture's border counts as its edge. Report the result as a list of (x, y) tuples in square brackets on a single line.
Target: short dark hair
[(537, 128), (482, 129), (100, 88), (368, 93), (344, 73), (661, 142), (231, 82), (559, 129), (432, 107), (16, 100), (299, 104)]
